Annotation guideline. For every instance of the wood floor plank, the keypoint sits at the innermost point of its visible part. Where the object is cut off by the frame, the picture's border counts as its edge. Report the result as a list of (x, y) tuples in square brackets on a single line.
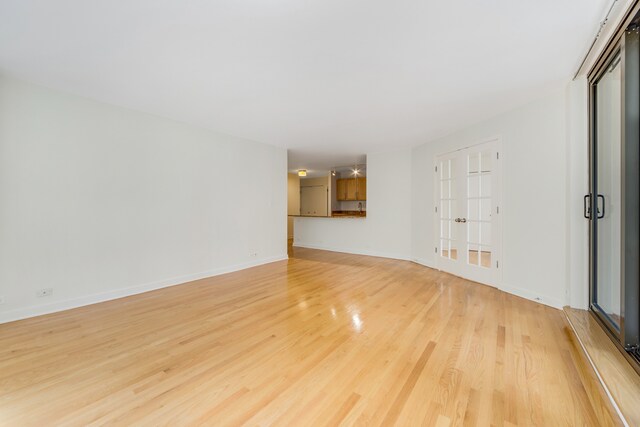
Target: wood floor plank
[(407, 388), (321, 339)]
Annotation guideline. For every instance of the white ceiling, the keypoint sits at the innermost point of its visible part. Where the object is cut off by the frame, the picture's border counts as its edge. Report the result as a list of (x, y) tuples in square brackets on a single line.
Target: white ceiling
[(329, 79)]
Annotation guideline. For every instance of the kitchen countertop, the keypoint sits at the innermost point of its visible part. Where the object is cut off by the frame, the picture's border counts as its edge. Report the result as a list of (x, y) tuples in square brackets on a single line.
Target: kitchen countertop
[(343, 214), (356, 214)]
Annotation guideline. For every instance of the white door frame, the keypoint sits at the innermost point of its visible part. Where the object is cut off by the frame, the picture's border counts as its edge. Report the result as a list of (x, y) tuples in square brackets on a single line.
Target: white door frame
[(498, 209)]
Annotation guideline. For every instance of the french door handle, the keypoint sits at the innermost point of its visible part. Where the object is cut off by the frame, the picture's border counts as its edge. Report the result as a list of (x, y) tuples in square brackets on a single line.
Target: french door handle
[(460, 220), (586, 207), (601, 215)]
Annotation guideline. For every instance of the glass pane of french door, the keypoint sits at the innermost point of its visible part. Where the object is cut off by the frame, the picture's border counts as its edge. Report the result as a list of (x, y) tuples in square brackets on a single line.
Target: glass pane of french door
[(478, 201), (607, 192), (448, 208)]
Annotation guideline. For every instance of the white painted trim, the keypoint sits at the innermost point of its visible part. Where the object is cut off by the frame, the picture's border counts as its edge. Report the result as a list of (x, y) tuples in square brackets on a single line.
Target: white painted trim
[(353, 251), (527, 294), (423, 262), (24, 313), (495, 138)]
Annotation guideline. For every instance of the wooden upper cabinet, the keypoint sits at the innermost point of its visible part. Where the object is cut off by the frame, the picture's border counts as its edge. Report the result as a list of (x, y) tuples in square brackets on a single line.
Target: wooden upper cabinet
[(362, 189), (341, 189), (351, 189)]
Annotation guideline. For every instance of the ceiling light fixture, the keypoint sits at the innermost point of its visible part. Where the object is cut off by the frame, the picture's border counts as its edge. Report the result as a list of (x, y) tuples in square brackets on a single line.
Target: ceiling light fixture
[(302, 172)]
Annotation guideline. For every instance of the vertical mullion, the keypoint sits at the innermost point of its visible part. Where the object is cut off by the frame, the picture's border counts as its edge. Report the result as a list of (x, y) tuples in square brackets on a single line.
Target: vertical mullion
[(466, 225), (479, 205), (449, 197)]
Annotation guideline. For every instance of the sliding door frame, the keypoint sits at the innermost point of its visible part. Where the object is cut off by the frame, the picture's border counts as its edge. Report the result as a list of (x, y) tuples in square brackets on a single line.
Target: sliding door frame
[(626, 44), (630, 209)]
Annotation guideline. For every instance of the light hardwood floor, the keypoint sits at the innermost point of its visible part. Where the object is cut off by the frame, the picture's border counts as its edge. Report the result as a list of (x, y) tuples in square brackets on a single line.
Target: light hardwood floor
[(321, 339)]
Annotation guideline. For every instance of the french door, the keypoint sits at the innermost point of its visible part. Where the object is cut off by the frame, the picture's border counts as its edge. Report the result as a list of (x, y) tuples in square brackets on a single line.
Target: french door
[(467, 212)]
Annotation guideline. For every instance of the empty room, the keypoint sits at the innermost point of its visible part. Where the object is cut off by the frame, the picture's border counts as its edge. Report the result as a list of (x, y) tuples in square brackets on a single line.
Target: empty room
[(319, 213)]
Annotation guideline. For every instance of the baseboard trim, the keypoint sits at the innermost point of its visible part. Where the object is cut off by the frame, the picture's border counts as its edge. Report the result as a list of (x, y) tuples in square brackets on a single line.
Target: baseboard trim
[(352, 251), (54, 307), (424, 263), (527, 294)]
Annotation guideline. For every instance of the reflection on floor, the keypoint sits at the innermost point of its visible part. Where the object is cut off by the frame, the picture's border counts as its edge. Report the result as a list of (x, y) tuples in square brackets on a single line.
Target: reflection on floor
[(485, 257), (321, 339)]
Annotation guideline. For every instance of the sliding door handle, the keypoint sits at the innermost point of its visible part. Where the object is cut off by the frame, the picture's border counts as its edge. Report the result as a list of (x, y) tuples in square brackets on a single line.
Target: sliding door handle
[(600, 214), (586, 207)]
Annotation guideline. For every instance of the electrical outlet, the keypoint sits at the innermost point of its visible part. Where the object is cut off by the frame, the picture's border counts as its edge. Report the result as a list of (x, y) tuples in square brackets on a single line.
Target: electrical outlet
[(44, 292)]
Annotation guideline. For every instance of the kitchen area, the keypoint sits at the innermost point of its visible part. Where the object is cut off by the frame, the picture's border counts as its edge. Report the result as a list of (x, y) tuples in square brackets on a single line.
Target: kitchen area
[(336, 192), (349, 197)]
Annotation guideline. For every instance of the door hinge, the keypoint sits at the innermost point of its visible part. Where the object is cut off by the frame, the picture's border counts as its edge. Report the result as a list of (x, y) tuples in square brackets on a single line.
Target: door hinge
[(436, 169), (436, 249), (436, 209), (498, 155), (497, 209), (497, 264)]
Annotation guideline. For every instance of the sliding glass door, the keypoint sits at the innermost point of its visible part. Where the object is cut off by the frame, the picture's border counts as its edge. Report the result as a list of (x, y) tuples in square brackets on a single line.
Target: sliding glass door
[(607, 185), (612, 203)]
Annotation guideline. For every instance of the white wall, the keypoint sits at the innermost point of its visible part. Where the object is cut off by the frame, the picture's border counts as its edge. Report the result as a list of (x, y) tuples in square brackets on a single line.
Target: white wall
[(386, 231), (534, 208), (578, 181), (98, 202), (293, 201)]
